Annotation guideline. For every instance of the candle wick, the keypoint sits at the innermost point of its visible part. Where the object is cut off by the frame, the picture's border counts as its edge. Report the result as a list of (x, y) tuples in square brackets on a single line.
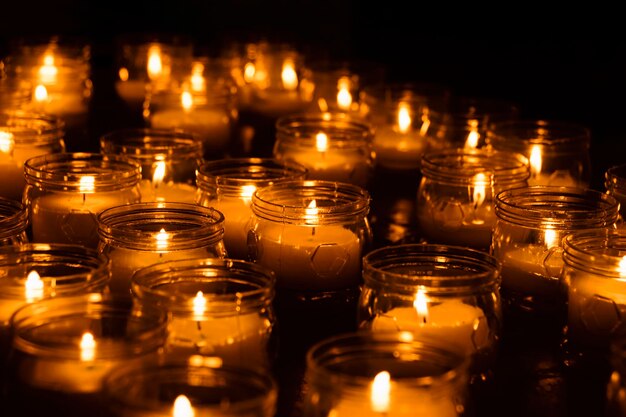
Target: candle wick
[(313, 231), (84, 197), (199, 325)]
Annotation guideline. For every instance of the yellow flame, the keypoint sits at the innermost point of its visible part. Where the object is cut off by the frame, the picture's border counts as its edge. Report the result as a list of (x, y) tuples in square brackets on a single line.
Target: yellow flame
[(155, 63), (182, 407), (380, 392), (321, 142), (48, 59), (87, 184), (48, 71), (344, 98), (33, 287), (247, 191), (289, 76), (158, 174), (404, 118), (248, 72), (550, 237), (311, 212), (197, 79), (162, 239), (199, 304), (420, 304), (321, 103), (425, 125), (87, 347), (41, 93), (186, 99), (123, 74), (6, 142), (473, 136), (535, 160), (480, 182), (622, 267)]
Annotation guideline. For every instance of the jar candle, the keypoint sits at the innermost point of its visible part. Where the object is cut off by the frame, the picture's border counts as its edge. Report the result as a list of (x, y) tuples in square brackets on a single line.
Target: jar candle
[(14, 93), (455, 199), (386, 374), (63, 347), (23, 136), (31, 272), (594, 271), (312, 234), (168, 161), (198, 386), (13, 222), (332, 146), (137, 235), (558, 152), (65, 192), (227, 185), (527, 240), (615, 185), (218, 307), (336, 88), (447, 293)]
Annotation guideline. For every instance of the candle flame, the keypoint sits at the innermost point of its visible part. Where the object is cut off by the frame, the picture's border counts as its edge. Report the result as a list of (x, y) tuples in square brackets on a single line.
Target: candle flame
[(182, 407), (480, 182), (473, 136), (622, 267), (87, 184), (87, 347), (344, 98), (550, 238), (248, 72), (379, 396), (48, 59), (289, 76), (6, 142), (41, 93), (425, 125), (321, 142), (33, 287), (162, 239), (247, 191), (199, 304), (158, 174), (404, 118), (186, 99), (420, 304), (321, 103), (311, 213), (197, 79), (123, 74), (48, 71), (155, 63), (535, 160)]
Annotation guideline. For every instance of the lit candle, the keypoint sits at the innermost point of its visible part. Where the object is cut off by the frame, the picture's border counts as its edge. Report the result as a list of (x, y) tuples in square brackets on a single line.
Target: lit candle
[(159, 190), (182, 407), (555, 178)]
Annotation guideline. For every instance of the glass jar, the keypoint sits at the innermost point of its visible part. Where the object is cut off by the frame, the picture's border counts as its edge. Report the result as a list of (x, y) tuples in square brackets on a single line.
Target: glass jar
[(615, 185), (65, 192), (399, 374), (332, 146), (63, 347), (228, 184), (527, 240), (336, 89), (14, 94), (13, 223), (204, 388), (446, 293), (137, 235), (168, 161), (218, 307), (455, 199), (558, 152), (23, 136)]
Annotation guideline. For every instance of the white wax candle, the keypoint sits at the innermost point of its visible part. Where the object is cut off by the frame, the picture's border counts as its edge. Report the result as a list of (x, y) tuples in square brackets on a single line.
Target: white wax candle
[(167, 191), (237, 217), (71, 217), (333, 165), (212, 125), (323, 257), (532, 270), (396, 150), (452, 321), (559, 178)]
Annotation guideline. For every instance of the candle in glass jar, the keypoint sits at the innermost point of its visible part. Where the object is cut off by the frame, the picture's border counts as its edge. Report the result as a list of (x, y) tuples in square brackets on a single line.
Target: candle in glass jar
[(556, 178), (159, 190), (237, 216)]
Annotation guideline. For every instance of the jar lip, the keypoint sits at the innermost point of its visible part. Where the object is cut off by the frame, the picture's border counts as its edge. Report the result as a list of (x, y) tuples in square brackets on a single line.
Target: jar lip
[(343, 130), (239, 172), (460, 166), (13, 218), (547, 133), (147, 144), (289, 201), (32, 128), (138, 226), (355, 344), (600, 251), (66, 308), (445, 268), (147, 283), (560, 208), (615, 176), (64, 172)]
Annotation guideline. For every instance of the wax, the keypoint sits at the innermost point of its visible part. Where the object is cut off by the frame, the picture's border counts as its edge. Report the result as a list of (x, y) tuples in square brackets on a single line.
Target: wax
[(334, 165), (323, 257), (559, 178), (276, 103), (398, 151), (237, 223), (532, 270), (167, 191)]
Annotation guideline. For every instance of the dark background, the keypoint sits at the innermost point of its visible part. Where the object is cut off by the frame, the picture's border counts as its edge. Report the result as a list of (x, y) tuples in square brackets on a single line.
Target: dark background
[(568, 64)]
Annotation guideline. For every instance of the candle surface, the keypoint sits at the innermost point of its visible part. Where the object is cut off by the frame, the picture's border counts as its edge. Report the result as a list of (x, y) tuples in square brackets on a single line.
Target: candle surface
[(167, 191), (532, 270), (237, 216), (398, 150)]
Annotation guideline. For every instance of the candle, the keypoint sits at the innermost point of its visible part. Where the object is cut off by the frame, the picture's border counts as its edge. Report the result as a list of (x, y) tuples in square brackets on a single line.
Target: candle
[(555, 178), (13, 223), (237, 221)]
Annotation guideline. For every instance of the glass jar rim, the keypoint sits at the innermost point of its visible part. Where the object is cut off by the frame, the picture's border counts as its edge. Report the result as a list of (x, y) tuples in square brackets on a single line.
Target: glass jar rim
[(343, 130), (559, 208), (547, 133), (147, 144), (288, 202), (470, 270), (13, 218), (29, 128), (460, 166), (64, 172), (615, 177), (134, 226), (59, 309), (146, 284), (600, 252)]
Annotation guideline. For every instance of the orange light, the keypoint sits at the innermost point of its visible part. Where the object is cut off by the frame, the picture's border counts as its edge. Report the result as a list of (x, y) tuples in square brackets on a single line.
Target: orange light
[(289, 76), (6, 142), (87, 347), (33, 287), (182, 407), (155, 63), (321, 142), (380, 392)]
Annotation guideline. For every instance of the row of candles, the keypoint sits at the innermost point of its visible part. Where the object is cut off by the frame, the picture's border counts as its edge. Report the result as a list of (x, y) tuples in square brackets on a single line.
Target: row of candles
[(210, 241)]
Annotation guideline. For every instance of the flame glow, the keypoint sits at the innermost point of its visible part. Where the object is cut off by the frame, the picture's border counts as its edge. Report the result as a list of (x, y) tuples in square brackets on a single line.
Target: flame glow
[(420, 304), (197, 79), (6, 142), (473, 136), (33, 287), (380, 392), (41, 93), (248, 72), (535, 160), (162, 239), (123, 74), (48, 71), (289, 76), (344, 98), (87, 347), (550, 238), (186, 99), (199, 304), (247, 191), (182, 407), (404, 118), (321, 142), (480, 182), (158, 174), (87, 184), (155, 63), (622, 267), (311, 213)]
